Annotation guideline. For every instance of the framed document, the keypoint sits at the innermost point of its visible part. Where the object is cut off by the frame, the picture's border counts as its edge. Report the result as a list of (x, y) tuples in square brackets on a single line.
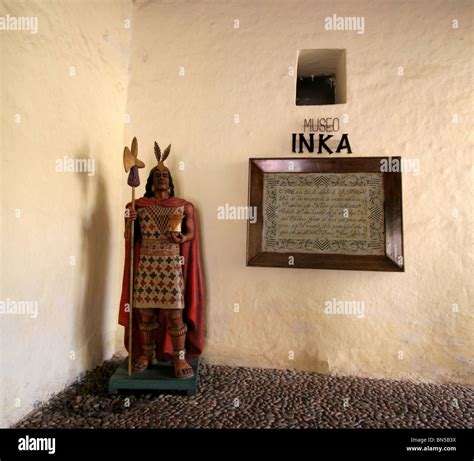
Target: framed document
[(324, 213)]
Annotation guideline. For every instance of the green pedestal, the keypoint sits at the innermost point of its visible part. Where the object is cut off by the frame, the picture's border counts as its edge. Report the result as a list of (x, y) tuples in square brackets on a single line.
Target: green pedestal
[(157, 377)]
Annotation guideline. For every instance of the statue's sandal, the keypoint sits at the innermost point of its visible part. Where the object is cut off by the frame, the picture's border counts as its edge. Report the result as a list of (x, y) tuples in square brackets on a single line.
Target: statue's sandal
[(184, 372)]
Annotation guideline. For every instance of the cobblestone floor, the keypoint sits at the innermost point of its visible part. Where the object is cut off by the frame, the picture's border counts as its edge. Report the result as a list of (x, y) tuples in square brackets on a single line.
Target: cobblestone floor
[(230, 397)]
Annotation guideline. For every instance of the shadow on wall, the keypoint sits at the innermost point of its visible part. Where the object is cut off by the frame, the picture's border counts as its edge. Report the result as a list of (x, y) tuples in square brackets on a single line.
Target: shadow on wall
[(94, 263)]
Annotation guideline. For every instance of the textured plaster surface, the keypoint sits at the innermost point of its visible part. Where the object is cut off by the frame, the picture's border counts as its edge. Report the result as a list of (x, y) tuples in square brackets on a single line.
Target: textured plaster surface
[(280, 321), (61, 215), (245, 71)]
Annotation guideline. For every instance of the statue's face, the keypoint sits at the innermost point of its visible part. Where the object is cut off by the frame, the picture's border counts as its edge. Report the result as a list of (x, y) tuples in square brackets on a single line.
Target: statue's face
[(161, 180)]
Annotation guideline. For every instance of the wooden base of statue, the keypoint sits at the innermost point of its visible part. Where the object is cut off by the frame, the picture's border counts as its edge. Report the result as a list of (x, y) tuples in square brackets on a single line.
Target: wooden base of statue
[(156, 377)]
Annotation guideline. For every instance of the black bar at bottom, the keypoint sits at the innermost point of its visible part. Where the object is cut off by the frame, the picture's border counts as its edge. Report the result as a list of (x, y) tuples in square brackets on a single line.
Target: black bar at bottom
[(400, 444)]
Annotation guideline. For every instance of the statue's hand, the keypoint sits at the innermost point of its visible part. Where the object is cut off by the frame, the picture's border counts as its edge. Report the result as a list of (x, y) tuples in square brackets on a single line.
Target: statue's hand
[(130, 215), (175, 238)]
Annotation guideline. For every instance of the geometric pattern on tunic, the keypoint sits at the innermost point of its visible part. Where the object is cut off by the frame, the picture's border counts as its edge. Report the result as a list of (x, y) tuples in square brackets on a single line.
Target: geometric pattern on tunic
[(159, 279)]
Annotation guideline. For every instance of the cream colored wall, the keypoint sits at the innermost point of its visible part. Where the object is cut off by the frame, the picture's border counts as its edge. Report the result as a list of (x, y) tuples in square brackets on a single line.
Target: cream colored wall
[(63, 215), (228, 71), (244, 71)]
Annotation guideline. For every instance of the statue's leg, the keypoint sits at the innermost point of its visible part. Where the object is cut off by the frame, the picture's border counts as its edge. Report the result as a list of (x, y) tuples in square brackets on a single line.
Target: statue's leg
[(177, 330), (147, 327)]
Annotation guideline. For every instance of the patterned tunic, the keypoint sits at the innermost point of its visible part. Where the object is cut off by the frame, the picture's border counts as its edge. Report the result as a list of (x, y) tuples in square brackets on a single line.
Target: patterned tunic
[(159, 278)]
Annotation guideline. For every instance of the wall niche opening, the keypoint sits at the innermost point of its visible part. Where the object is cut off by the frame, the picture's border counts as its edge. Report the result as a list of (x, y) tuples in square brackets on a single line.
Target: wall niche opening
[(321, 77)]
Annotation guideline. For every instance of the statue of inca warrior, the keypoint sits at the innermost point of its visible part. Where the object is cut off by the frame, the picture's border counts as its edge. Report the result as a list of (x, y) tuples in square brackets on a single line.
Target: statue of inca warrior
[(168, 288)]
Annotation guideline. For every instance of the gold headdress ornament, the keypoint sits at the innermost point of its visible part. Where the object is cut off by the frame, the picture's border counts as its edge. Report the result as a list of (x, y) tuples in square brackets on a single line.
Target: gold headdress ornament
[(161, 157)]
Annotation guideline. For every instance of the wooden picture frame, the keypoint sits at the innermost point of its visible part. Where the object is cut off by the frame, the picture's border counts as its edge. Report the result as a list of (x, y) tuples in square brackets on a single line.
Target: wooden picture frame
[(392, 258)]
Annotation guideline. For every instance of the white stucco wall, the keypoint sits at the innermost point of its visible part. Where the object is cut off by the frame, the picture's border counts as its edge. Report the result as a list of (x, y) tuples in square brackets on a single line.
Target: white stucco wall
[(61, 215), (244, 71), (229, 71)]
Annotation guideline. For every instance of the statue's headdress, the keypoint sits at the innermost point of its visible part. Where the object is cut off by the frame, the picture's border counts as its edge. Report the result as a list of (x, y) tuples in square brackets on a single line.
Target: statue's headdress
[(161, 157)]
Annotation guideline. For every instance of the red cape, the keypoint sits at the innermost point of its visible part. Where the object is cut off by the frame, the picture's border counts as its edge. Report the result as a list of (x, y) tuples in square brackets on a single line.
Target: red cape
[(193, 314)]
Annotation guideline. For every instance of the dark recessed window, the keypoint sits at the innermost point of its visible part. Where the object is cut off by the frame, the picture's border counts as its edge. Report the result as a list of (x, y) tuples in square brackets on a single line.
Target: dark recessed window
[(316, 90), (321, 77)]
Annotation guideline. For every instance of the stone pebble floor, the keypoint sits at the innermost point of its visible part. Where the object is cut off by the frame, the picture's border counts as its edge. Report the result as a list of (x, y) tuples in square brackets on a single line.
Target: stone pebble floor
[(233, 397)]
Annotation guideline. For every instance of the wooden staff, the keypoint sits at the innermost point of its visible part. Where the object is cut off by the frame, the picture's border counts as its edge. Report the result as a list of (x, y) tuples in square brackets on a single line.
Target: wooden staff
[(131, 163), (130, 292)]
